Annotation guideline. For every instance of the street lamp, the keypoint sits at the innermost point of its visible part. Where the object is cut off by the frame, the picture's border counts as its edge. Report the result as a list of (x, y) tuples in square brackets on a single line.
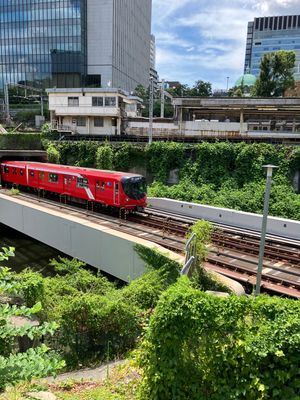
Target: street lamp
[(269, 168)]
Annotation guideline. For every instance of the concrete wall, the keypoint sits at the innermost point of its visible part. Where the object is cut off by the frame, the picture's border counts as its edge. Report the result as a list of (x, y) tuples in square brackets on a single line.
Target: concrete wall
[(276, 226), (90, 129), (194, 127), (99, 246)]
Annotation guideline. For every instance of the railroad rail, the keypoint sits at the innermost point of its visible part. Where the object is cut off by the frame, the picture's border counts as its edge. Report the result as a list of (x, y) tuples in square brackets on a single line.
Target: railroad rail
[(233, 252)]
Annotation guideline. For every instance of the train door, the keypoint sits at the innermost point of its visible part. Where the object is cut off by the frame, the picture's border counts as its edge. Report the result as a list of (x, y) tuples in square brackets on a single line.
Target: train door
[(116, 194), (67, 184)]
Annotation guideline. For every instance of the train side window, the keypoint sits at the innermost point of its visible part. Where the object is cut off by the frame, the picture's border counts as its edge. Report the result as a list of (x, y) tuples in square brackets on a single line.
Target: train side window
[(14, 171), (21, 172), (6, 170), (97, 185), (31, 173), (117, 187), (67, 180), (102, 186), (82, 183), (42, 175), (53, 178)]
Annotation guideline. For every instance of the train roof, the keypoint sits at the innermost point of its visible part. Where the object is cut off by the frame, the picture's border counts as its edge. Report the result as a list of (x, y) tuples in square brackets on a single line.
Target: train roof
[(69, 169)]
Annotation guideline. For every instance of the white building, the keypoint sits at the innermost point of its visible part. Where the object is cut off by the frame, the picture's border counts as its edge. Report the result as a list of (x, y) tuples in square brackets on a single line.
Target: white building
[(91, 111)]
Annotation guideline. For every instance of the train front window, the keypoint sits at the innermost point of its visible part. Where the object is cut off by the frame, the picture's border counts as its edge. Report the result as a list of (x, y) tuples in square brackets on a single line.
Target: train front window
[(134, 188)]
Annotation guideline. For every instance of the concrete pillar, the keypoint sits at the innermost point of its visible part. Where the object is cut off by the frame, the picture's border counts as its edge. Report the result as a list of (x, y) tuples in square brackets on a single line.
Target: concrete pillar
[(88, 125), (241, 121), (119, 126), (294, 125)]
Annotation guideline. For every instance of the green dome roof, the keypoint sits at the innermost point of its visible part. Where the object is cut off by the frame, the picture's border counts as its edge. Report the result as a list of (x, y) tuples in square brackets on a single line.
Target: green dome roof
[(247, 79)]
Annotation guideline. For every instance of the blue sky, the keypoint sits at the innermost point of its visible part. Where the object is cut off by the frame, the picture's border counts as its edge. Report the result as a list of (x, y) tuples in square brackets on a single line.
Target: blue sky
[(205, 39)]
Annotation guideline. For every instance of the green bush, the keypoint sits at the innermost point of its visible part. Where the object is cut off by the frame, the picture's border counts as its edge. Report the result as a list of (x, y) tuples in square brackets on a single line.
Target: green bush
[(104, 157), (204, 347), (53, 154)]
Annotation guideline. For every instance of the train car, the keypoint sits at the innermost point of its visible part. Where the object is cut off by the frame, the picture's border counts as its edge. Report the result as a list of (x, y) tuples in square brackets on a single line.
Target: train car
[(109, 188)]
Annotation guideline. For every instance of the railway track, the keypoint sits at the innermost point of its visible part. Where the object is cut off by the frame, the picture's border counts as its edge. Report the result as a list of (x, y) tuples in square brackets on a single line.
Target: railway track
[(233, 253)]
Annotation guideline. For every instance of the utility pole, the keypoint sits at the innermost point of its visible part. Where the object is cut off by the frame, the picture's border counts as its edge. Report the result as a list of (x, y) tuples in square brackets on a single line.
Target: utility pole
[(151, 111), (264, 227), (42, 106), (162, 99)]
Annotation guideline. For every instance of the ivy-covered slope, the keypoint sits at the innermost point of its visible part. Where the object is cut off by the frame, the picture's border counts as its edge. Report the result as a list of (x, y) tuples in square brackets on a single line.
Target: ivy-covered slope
[(220, 174)]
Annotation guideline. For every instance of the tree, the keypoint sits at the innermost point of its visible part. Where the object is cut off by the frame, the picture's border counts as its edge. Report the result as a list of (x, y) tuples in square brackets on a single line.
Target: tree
[(276, 74), (180, 91), (201, 89)]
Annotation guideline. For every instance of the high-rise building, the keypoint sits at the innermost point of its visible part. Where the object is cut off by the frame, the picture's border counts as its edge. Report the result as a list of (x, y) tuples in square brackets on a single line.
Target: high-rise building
[(152, 52), (269, 34), (73, 43)]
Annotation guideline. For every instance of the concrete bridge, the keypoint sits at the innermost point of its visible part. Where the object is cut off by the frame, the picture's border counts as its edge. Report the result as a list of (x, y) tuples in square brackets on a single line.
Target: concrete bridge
[(93, 242)]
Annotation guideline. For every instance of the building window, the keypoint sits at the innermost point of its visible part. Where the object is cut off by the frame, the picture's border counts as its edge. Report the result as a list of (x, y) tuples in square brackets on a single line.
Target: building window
[(53, 178), (82, 183), (110, 101), (99, 122), (97, 101), (73, 101), (81, 121)]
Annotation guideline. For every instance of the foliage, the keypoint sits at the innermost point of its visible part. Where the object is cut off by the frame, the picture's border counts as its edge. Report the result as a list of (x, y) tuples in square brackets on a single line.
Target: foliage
[(127, 156), (26, 116), (219, 174), (201, 89), (161, 272), (35, 362), (90, 323), (66, 266), (14, 191), (203, 230), (204, 347), (104, 157), (162, 157), (20, 141), (53, 154), (276, 74)]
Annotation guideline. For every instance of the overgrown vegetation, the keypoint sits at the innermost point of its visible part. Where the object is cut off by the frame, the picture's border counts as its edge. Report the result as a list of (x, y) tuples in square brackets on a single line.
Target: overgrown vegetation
[(96, 320), (15, 323), (20, 141), (219, 174), (204, 347)]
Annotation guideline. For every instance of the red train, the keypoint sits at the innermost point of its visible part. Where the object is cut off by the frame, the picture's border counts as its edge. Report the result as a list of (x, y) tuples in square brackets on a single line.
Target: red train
[(110, 188)]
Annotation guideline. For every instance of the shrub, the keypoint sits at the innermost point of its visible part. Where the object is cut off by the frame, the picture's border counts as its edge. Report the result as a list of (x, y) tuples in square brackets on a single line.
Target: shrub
[(104, 157), (204, 347)]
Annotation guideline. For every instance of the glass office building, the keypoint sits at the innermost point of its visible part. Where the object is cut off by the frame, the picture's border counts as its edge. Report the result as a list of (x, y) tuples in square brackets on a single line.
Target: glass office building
[(43, 43), (268, 34), (75, 43)]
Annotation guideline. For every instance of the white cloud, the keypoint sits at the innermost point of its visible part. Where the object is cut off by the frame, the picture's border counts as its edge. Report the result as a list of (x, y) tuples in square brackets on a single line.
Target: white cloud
[(205, 39)]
